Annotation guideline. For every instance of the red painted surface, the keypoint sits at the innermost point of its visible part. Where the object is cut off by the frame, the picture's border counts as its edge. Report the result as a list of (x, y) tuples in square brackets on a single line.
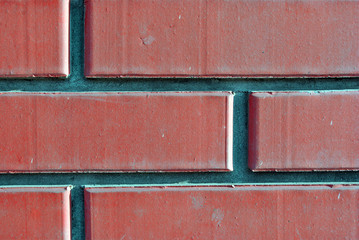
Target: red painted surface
[(221, 38), (291, 131), (168, 131), (34, 38), (35, 213), (241, 212)]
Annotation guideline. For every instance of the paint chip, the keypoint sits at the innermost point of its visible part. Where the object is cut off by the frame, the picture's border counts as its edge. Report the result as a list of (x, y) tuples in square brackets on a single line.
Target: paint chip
[(148, 40)]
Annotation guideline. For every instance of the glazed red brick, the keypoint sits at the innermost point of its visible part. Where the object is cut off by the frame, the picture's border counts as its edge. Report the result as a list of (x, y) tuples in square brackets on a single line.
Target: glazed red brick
[(34, 38), (304, 131), (98, 131), (35, 213), (221, 38), (238, 212)]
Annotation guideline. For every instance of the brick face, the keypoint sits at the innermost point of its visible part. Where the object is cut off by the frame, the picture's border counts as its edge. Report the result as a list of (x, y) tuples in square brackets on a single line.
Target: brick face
[(34, 38), (116, 131), (296, 131), (35, 213), (221, 38), (240, 212)]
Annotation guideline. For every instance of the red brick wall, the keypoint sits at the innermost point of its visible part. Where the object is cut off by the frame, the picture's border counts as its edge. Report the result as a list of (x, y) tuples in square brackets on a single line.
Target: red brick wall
[(139, 119)]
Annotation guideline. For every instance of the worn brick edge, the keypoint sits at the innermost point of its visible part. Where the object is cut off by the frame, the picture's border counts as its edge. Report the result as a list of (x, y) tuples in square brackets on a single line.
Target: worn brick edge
[(225, 76), (287, 186), (229, 135)]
